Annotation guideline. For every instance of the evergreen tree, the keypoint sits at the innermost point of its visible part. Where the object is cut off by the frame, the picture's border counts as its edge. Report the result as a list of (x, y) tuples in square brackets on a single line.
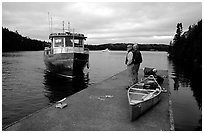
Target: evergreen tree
[(179, 31)]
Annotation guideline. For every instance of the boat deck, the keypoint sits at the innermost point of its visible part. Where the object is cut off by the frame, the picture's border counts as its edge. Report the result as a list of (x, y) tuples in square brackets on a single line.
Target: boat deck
[(101, 107)]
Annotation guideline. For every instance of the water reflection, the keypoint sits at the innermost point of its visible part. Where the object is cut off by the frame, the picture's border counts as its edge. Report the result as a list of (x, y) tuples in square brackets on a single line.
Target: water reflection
[(187, 81), (12, 54), (176, 83), (58, 87), (188, 76)]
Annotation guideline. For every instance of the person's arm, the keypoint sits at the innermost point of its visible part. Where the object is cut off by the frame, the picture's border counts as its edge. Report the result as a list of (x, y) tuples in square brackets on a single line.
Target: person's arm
[(129, 58)]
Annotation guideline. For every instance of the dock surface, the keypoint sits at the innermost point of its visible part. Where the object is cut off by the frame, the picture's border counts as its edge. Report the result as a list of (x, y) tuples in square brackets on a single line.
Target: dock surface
[(100, 107)]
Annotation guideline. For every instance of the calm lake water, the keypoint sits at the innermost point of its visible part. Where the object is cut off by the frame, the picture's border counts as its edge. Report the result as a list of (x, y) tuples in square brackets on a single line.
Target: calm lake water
[(27, 87)]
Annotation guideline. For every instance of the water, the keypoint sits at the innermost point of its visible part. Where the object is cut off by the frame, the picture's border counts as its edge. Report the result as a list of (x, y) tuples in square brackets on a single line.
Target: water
[(27, 87), (186, 94)]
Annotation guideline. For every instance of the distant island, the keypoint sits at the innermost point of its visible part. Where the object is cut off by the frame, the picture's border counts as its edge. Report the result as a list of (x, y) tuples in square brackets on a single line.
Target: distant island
[(123, 46)]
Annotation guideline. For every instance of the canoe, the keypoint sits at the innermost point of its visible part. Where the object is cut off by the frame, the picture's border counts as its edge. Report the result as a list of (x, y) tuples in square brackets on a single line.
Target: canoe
[(143, 95)]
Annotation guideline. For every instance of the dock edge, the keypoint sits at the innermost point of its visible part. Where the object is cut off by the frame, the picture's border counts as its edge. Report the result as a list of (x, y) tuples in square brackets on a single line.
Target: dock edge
[(171, 118)]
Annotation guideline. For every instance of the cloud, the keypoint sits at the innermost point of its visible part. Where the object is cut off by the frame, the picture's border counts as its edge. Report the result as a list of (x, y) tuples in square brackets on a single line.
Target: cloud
[(103, 22)]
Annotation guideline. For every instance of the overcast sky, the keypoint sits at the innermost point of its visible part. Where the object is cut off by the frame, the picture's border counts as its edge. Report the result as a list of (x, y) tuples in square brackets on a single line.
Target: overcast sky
[(103, 22)]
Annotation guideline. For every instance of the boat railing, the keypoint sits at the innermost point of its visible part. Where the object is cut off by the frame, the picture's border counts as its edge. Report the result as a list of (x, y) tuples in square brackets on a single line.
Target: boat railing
[(47, 51), (69, 34)]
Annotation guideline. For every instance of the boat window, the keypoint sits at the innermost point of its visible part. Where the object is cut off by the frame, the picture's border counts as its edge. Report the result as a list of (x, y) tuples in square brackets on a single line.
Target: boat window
[(78, 42), (68, 42), (58, 42)]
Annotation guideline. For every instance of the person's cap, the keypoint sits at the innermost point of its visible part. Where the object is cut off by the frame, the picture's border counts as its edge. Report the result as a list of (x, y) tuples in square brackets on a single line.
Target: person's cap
[(129, 46), (154, 70), (135, 46)]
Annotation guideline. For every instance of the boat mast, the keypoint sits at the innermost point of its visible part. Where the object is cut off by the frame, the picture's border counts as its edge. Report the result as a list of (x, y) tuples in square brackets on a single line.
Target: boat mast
[(51, 24), (73, 37), (49, 21), (68, 26), (63, 27)]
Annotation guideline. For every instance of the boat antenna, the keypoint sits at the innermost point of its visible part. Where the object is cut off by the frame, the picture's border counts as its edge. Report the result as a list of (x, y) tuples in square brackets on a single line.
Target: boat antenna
[(51, 24), (63, 26), (73, 37), (68, 26), (49, 21)]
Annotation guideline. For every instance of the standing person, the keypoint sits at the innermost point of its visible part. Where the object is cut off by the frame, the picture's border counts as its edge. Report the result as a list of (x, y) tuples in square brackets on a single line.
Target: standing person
[(137, 59), (130, 65)]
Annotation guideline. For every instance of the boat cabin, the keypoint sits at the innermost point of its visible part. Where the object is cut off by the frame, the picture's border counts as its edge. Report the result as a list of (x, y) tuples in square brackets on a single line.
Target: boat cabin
[(67, 42)]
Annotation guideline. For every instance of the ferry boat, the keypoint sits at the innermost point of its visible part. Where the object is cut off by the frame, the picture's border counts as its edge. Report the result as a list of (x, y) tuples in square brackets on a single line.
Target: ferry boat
[(66, 56)]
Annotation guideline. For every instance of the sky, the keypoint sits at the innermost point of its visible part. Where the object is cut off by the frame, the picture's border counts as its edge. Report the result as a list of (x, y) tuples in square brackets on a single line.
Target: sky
[(101, 22)]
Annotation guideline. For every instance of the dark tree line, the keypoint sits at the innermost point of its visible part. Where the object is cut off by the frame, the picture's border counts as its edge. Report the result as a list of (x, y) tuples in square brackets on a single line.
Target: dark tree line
[(187, 47), (123, 46), (13, 41)]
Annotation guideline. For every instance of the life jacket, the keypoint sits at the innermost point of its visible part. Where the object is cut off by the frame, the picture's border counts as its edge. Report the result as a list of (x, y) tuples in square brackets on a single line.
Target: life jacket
[(137, 57)]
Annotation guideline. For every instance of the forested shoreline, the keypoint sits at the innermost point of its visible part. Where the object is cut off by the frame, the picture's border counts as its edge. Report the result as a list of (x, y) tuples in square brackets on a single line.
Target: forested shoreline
[(123, 46), (186, 54), (13, 41), (183, 43)]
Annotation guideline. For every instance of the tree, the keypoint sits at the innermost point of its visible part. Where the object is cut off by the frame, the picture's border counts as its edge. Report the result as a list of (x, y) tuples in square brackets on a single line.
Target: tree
[(179, 31)]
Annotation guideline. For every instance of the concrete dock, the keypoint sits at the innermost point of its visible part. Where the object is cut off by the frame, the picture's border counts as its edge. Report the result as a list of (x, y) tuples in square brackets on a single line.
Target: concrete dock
[(100, 107)]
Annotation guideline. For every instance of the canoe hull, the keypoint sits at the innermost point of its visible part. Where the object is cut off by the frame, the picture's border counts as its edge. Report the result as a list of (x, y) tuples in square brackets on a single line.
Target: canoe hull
[(137, 110), (142, 96)]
